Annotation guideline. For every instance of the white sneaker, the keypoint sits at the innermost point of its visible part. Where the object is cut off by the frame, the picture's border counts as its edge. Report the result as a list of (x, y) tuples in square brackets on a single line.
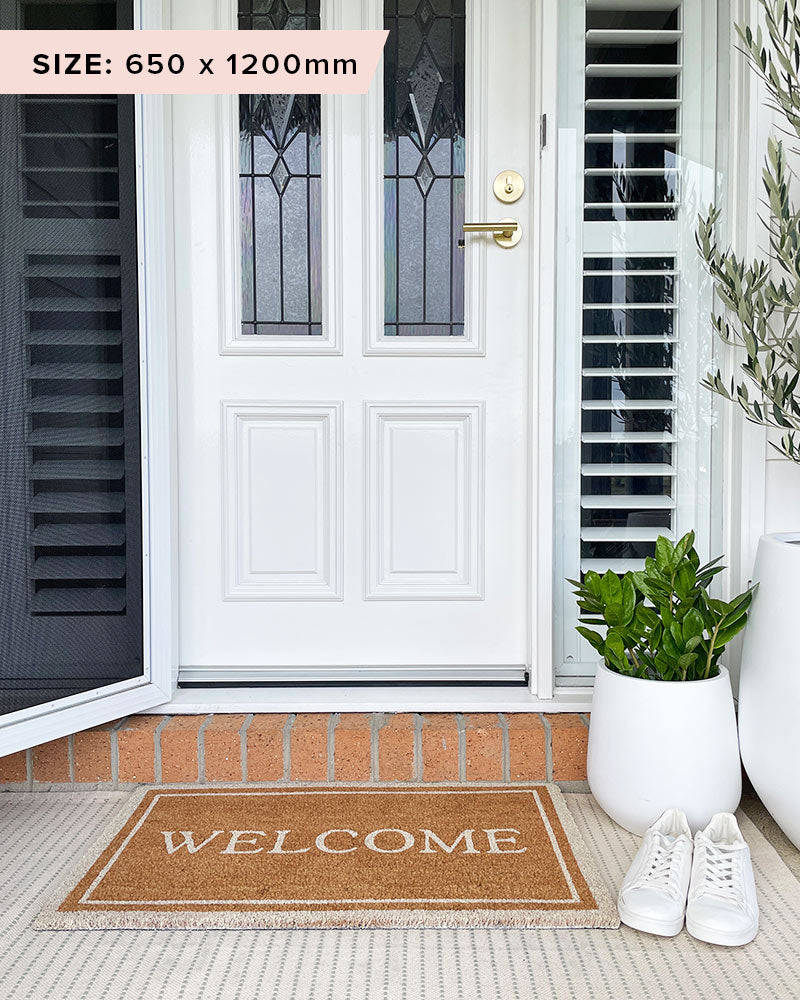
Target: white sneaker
[(652, 897), (722, 907)]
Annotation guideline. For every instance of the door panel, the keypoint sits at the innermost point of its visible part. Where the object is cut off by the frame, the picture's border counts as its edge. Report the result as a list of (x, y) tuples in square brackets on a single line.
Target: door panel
[(302, 561), (367, 509), (425, 501)]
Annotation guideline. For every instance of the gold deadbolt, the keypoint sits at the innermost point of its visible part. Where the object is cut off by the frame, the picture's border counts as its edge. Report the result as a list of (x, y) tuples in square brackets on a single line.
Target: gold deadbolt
[(508, 186)]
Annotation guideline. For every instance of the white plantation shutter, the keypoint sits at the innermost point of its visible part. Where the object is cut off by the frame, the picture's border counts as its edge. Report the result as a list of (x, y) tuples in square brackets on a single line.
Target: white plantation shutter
[(636, 131), (628, 404)]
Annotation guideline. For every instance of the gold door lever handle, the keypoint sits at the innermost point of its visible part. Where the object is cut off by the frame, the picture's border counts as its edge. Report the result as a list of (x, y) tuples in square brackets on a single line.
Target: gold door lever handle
[(507, 232), (506, 227)]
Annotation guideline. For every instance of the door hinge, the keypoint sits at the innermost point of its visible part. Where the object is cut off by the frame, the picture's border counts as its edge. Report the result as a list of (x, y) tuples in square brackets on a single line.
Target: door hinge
[(542, 132)]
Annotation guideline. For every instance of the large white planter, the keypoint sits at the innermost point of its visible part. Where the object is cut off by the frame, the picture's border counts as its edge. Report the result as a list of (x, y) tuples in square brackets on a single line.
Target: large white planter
[(658, 744), (769, 684)]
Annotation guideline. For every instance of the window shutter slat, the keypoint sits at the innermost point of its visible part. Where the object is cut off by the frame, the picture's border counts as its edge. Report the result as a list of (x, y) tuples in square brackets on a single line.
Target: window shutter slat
[(79, 600), (77, 503), (594, 502), (84, 535), (78, 568)]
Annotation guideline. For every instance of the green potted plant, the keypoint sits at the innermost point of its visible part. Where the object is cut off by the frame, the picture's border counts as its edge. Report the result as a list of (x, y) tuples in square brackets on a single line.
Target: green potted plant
[(663, 731), (760, 316)]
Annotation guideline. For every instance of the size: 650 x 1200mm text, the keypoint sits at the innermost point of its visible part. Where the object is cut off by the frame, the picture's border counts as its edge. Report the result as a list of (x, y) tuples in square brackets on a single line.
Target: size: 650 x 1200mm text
[(153, 63)]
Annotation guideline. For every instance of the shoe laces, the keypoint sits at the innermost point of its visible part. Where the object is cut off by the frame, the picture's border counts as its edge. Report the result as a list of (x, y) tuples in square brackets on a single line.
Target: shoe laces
[(722, 873), (663, 867)]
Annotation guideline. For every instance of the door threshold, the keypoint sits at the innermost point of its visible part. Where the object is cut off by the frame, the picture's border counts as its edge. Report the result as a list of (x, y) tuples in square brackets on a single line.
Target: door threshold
[(522, 682), (358, 698), (299, 676)]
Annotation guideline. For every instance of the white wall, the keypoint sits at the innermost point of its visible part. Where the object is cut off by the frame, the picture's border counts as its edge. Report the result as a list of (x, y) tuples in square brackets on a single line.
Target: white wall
[(782, 499)]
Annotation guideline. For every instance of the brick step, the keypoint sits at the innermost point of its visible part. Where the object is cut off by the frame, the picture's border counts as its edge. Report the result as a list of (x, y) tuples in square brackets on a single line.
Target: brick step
[(146, 749)]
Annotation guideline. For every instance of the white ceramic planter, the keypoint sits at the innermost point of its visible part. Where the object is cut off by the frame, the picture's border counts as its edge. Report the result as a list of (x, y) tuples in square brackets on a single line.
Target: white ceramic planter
[(658, 744), (769, 683)]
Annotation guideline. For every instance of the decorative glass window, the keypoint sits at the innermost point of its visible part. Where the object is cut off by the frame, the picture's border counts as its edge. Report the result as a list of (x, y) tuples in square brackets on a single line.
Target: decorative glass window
[(637, 163), (281, 193), (424, 168)]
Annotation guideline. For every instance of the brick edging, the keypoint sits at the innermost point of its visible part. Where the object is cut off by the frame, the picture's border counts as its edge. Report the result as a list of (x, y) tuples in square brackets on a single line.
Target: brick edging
[(221, 748)]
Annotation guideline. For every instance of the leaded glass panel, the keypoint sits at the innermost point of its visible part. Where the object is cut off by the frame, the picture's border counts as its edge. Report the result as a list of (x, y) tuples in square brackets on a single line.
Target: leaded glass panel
[(424, 167), (280, 190)]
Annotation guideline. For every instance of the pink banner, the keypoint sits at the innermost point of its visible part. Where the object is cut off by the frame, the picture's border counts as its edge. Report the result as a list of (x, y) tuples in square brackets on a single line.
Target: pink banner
[(188, 62)]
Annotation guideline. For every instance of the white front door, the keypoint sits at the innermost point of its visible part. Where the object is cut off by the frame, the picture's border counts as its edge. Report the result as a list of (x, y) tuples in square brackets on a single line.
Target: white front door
[(353, 409)]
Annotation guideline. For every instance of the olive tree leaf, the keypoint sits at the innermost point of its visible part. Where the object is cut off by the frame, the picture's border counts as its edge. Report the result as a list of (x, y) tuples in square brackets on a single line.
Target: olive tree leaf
[(758, 312)]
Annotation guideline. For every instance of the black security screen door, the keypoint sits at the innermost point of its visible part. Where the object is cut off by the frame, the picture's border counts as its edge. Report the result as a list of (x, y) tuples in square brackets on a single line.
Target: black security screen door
[(70, 485)]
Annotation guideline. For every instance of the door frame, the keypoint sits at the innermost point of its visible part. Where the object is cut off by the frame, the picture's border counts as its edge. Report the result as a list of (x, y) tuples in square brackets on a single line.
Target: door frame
[(60, 717), (739, 450)]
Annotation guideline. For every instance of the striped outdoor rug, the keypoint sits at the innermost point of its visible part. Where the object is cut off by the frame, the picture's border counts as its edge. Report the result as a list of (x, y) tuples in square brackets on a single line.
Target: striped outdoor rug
[(44, 833)]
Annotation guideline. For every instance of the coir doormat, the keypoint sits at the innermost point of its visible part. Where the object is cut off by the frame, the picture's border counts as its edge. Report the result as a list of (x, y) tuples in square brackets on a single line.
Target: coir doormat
[(337, 856)]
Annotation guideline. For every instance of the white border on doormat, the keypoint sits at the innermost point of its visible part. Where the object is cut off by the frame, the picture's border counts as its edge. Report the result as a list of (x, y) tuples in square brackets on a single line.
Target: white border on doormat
[(604, 915)]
